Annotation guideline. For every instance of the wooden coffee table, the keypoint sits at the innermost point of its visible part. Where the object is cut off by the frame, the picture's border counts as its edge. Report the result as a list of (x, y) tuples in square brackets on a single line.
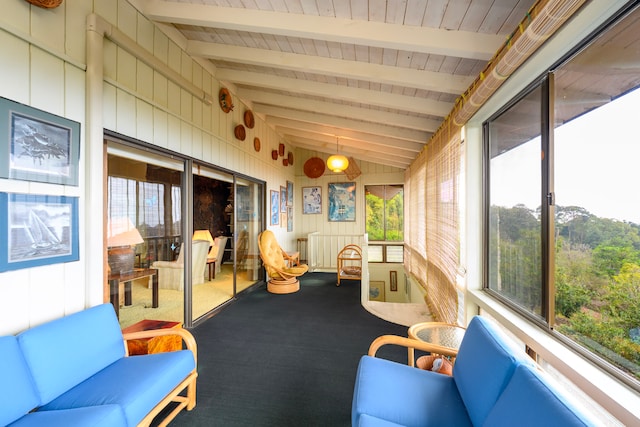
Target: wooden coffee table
[(127, 278)]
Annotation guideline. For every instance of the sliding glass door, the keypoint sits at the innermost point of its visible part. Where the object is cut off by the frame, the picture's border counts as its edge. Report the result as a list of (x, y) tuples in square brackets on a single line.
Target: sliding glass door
[(144, 235), (213, 222), (249, 216), (181, 235)]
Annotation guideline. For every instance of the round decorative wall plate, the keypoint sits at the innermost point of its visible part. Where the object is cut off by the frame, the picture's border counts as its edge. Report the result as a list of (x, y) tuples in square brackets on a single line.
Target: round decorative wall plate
[(281, 149), (290, 157), (274, 154), (46, 4), (314, 167), (249, 121), (240, 133), (226, 102), (256, 144), (285, 162)]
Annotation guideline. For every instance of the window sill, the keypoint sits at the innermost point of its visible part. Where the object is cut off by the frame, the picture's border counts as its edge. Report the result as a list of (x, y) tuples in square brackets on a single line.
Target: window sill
[(613, 395)]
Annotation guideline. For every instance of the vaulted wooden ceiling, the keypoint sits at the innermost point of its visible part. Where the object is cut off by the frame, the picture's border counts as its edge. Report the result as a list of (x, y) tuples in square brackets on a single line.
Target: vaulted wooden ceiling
[(379, 76)]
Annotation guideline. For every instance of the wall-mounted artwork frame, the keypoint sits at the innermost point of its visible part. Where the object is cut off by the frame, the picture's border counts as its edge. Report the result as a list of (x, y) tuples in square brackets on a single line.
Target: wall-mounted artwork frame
[(289, 193), (275, 208), (376, 290), (283, 199), (40, 230), (342, 201), (393, 281), (311, 200), (39, 146), (289, 218)]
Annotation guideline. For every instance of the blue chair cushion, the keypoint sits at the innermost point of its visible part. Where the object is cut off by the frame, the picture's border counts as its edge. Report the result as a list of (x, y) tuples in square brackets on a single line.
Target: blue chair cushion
[(64, 352), (485, 363), (369, 421), (17, 390), (136, 383), (528, 400), (95, 416), (405, 395)]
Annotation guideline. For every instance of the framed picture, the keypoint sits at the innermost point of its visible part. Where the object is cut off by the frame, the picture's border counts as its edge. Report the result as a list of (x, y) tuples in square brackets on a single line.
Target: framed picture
[(289, 218), (283, 199), (342, 201), (289, 193), (311, 200), (39, 146), (393, 281), (376, 290), (40, 230), (275, 207)]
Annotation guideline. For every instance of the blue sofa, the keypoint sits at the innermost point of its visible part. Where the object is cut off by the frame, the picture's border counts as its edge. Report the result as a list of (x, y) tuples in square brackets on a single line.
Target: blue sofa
[(74, 371), (494, 383)]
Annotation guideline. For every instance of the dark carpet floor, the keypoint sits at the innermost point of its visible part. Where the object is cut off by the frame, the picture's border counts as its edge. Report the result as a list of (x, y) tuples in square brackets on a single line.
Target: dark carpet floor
[(285, 360)]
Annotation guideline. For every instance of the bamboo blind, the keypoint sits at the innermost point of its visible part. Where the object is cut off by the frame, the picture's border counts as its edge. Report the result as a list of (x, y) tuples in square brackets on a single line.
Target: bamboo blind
[(432, 181), (542, 21)]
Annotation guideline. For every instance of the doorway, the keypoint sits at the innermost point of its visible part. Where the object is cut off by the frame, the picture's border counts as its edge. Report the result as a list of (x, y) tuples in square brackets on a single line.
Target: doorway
[(154, 193)]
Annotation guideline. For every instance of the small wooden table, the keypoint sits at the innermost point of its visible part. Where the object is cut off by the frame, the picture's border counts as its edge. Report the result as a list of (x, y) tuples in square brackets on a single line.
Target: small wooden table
[(126, 278), (156, 344), (211, 263), (439, 333)]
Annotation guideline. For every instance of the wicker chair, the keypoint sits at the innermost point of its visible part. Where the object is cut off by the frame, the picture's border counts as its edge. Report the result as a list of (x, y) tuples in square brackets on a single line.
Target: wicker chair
[(282, 279)]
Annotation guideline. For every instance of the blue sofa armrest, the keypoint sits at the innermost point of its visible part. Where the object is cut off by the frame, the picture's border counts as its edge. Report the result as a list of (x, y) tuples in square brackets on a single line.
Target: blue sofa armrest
[(404, 395), (530, 400)]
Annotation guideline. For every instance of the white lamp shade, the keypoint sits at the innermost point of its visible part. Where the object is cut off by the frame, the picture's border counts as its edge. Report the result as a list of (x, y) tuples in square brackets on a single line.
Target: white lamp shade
[(121, 232), (337, 163), (203, 235)]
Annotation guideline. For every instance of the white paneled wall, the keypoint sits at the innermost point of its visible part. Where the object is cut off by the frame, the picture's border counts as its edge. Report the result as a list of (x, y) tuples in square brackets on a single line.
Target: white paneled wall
[(371, 174), (43, 63)]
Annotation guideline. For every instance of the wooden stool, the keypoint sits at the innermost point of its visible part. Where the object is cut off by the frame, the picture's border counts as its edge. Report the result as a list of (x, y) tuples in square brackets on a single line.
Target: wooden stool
[(302, 249)]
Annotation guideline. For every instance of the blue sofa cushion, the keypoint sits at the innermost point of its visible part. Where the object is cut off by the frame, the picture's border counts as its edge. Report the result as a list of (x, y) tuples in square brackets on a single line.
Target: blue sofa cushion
[(528, 400), (405, 395), (64, 352), (485, 363), (17, 390), (95, 416), (136, 383), (369, 421)]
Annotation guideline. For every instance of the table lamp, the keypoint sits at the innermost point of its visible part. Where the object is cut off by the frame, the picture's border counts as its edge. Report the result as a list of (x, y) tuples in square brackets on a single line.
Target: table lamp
[(122, 236), (203, 235)]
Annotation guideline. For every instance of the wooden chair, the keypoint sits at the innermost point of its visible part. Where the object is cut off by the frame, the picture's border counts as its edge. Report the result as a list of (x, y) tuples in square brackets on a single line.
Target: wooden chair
[(282, 279)]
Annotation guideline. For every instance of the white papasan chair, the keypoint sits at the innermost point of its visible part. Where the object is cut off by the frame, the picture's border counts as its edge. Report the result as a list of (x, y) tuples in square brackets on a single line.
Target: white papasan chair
[(171, 273)]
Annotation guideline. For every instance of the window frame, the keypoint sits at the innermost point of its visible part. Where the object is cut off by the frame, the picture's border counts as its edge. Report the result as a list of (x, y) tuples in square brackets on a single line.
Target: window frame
[(384, 243), (547, 321)]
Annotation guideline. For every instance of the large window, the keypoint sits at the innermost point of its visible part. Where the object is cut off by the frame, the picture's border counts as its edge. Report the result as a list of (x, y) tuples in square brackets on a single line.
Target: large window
[(563, 228), (385, 221), (515, 185)]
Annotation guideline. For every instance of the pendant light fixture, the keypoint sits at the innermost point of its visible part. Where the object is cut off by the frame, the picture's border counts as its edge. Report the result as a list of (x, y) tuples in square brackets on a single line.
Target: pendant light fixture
[(337, 162)]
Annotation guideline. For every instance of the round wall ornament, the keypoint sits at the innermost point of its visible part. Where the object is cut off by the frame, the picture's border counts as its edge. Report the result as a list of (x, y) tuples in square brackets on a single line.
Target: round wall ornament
[(226, 102), (274, 154), (314, 167), (290, 157), (256, 143), (46, 4), (249, 121), (240, 132)]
